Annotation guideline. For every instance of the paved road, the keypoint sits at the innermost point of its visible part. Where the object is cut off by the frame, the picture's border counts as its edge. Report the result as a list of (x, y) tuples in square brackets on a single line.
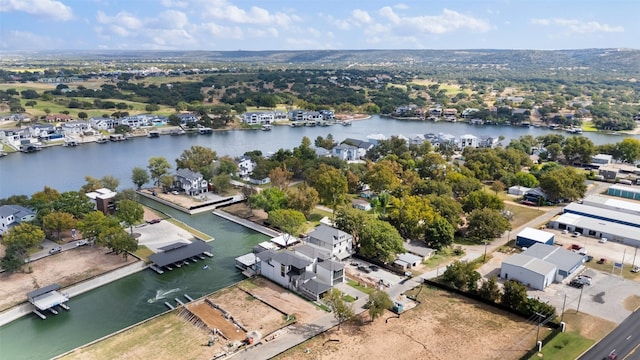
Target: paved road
[(623, 341)]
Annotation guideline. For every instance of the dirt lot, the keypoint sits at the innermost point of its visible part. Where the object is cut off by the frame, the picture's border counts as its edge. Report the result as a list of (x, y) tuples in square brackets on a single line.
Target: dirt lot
[(215, 320), (283, 300), (65, 268), (443, 326), (252, 313)]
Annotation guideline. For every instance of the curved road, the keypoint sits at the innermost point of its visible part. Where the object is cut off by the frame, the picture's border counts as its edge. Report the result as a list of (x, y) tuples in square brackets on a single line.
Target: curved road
[(623, 341)]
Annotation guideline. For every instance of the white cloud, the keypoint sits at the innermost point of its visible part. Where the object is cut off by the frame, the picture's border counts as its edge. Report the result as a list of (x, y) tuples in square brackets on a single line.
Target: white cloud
[(25, 40), (401, 6), (361, 17), (223, 10), (448, 21), (577, 26), (174, 3), (49, 8)]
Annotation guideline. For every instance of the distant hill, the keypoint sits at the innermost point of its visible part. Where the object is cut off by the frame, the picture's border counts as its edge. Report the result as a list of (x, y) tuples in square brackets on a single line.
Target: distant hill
[(623, 61)]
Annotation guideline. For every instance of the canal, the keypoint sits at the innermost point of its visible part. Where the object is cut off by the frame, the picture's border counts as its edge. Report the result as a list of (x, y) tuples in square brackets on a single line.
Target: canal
[(132, 299), (64, 168)]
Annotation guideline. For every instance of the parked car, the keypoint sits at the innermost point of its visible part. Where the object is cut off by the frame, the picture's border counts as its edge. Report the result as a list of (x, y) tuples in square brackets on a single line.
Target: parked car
[(576, 247), (576, 284), (585, 279), (602, 240), (374, 268), (635, 269), (575, 234), (175, 192), (81, 243), (153, 221), (602, 261), (364, 269), (55, 250), (565, 231), (588, 258)]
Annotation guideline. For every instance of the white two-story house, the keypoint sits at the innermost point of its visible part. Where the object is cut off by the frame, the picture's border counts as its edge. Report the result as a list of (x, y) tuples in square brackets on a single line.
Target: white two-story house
[(337, 242), (190, 182), (245, 167)]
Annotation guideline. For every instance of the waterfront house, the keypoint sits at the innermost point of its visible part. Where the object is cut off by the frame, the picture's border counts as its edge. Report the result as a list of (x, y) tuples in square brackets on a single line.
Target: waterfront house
[(291, 271), (410, 110), (245, 167), (450, 112), (375, 139), (12, 215), (445, 139), (416, 139), (76, 127), (258, 117), (186, 119), (327, 115), (601, 159), (338, 242), (41, 131), (190, 182), (13, 137), (469, 112), (101, 123), (346, 152), (488, 141), (468, 140), (104, 200), (322, 152), (363, 146), (476, 121)]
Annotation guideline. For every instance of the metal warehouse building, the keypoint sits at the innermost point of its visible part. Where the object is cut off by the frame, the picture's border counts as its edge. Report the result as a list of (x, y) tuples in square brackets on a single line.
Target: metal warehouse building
[(529, 236), (566, 261), (624, 191), (608, 203), (528, 270), (628, 235), (597, 213)]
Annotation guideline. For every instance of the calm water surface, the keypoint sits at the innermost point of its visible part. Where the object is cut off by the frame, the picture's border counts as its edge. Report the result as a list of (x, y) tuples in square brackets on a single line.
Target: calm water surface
[(65, 168)]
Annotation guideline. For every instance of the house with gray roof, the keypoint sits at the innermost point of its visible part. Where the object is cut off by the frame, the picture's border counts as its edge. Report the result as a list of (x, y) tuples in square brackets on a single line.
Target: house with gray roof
[(338, 242), (567, 262), (12, 215), (531, 271), (190, 182)]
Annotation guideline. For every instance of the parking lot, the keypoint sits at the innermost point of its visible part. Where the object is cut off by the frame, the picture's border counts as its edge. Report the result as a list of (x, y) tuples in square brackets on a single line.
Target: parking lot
[(603, 298), (610, 250)]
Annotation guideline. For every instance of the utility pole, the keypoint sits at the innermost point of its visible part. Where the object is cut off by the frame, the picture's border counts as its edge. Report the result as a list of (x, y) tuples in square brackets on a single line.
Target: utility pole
[(580, 299), (540, 316), (564, 302), (634, 258), (484, 259)]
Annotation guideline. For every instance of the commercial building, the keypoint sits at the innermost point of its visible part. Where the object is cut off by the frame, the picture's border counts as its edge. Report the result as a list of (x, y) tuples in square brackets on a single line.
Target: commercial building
[(625, 234), (624, 191), (540, 265), (528, 270), (530, 236), (603, 214), (608, 203)]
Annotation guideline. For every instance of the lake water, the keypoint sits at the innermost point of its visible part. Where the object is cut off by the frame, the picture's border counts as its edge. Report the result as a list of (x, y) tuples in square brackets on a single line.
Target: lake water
[(64, 168)]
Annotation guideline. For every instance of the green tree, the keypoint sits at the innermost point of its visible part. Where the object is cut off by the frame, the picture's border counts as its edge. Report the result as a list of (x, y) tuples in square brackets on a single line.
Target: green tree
[(486, 224), (379, 301), (130, 213), (480, 199), (139, 176), (226, 165), (352, 221), (410, 215), (23, 236), (526, 179), (58, 222), (158, 166), (383, 176), (438, 233), (563, 183), (74, 203), (579, 148), (197, 159), (92, 184), (280, 177), (447, 207), (13, 259), (117, 239), (498, 186), (269, 199), (553, 150), (490, 290), (461, 275), (166, 182), (221, 183), (92, 224), (340, 309), (110, 182), (514, 294), (331, 185), (629, 150), (380, 240), (287, 220), (304, 199), (82, 115)]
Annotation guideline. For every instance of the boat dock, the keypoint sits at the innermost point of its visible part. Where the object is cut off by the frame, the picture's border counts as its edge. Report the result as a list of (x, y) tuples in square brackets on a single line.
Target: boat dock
[(178, 254), (46, 299)]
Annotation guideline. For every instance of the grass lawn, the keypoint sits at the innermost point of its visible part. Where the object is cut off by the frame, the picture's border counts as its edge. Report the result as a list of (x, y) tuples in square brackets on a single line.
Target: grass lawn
[(356, 285), (441, 258), (522, 214), (567, 345), (587, 125), (608, 266), (143, 252)]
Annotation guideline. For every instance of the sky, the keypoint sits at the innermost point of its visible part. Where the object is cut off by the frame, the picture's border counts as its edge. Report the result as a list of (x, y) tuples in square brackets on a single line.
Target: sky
[(317, 25)]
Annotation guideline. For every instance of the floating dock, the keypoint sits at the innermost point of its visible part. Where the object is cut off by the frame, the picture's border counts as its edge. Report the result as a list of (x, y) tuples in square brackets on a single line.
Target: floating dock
[(179, 253), (207, 253), (47, 298), (157, 269), (169, 305), (188, 297), (179, 301)]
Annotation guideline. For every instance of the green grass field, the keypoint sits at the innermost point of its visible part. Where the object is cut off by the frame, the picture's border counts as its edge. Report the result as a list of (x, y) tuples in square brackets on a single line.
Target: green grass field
[(567, 345)]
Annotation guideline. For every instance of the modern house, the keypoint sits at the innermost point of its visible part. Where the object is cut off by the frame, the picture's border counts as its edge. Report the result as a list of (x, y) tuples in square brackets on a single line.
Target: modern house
[(346, 152), (190, 182), (258, 117), (488, 141), (12, 215), (339, 243), (601, 159), (245, 167), (468, 140), (104, 200), (294, 272)]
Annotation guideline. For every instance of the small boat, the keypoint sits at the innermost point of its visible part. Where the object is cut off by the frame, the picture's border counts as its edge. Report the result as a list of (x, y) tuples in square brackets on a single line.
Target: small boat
[(178, 132), (346, 123), (154, 134), (205, 267), (102, 140), (266, 127)]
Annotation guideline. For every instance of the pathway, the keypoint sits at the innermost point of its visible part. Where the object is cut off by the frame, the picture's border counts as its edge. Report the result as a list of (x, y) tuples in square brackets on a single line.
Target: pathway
[(247, 223)]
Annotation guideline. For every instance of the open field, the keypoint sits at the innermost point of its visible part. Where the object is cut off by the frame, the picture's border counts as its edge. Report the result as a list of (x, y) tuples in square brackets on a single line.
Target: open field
[(65, 268), (522, 214), (443, 326)]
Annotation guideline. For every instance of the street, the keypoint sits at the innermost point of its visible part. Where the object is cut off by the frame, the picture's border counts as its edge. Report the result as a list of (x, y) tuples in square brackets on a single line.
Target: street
[(624, 341)]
